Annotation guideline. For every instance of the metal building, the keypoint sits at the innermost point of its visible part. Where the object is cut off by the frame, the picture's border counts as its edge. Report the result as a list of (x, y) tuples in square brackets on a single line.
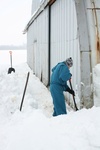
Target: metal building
[(62, 28)]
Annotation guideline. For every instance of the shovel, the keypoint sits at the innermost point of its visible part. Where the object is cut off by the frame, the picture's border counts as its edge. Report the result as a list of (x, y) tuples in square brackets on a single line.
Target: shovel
[(73, 95), (11, 69)]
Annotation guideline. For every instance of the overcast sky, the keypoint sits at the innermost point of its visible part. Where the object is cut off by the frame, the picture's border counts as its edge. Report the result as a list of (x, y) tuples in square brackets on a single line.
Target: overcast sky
[(14, 15)]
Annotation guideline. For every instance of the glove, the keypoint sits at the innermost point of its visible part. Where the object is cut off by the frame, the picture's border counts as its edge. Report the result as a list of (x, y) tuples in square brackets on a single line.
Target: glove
[(71, 91)]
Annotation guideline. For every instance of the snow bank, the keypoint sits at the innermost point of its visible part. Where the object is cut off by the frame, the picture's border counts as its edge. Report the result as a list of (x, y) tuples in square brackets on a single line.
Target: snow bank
[(96, 81)]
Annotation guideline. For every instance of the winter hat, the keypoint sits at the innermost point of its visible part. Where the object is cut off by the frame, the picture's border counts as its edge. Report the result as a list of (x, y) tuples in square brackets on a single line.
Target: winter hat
[(69, 62)]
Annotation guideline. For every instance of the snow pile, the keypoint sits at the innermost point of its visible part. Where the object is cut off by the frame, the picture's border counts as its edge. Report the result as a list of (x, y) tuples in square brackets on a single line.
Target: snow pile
[(34, 128), (12, 90)]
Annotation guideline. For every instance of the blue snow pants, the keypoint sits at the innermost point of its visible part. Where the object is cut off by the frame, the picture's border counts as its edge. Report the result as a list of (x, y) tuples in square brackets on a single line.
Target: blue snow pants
[(58, 99)]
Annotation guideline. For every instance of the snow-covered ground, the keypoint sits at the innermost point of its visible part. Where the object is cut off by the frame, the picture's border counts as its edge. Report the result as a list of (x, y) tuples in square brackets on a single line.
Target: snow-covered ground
[(34, 128)]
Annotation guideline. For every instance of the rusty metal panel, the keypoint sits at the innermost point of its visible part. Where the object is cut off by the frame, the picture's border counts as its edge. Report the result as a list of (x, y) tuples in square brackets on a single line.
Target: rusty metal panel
[(64, 38), (93, 14)]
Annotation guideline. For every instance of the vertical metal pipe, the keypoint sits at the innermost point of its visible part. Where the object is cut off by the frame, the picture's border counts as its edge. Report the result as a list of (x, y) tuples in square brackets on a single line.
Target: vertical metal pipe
[(49, 45)]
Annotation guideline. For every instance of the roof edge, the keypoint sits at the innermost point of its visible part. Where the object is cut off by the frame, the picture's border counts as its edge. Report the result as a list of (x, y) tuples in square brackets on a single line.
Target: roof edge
[(42, 6)]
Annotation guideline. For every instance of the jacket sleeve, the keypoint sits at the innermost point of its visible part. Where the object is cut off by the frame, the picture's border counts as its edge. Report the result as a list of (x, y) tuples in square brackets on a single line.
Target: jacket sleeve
[(66, 87), (65, 74)]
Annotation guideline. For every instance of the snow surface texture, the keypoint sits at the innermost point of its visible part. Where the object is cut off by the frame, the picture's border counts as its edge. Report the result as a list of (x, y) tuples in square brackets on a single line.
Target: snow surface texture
[(34, 128)]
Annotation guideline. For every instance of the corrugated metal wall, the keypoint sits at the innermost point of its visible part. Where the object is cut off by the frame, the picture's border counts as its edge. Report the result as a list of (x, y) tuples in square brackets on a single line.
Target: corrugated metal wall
[(37, 46), (64, 37)]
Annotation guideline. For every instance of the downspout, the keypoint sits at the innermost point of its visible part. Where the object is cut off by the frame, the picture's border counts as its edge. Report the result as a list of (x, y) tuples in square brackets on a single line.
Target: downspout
[(49, 39), (49, 43)]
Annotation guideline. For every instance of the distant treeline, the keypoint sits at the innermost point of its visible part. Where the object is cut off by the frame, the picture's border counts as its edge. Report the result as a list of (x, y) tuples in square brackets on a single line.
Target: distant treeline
[(12, 47)]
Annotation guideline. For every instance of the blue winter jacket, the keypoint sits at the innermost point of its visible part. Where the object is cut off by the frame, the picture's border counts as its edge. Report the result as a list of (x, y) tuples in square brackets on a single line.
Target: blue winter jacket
[(60, 75)]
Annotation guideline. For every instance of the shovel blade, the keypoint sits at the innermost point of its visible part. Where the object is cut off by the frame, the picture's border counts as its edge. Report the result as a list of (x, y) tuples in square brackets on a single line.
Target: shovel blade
[(10, 70)]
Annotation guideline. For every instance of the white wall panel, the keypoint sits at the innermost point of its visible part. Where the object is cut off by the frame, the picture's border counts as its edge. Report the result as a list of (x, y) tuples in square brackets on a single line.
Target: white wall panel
[(37, 46), (64, 38)]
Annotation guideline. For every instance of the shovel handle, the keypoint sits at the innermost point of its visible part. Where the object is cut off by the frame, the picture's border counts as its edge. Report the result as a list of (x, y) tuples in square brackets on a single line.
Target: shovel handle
[(24, 90), (73, 95), (10, 52), (10, 57)]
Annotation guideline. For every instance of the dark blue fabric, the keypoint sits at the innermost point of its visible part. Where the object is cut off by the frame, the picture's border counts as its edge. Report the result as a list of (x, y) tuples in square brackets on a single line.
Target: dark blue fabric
[(60, 75)]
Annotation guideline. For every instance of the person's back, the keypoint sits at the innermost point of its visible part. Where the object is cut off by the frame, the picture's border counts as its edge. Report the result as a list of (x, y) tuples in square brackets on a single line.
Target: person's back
[(60, 74)]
